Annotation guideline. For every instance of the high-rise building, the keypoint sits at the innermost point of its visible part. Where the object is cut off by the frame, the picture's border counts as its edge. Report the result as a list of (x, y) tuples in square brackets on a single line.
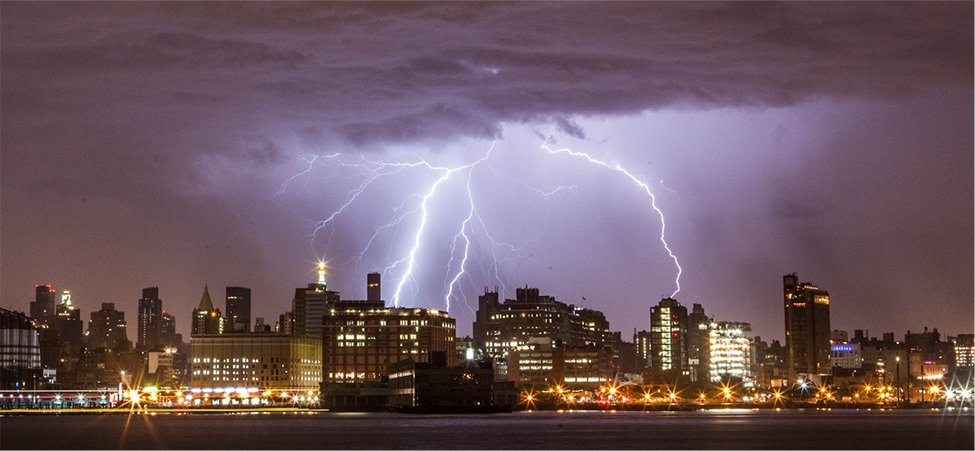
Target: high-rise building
[(70, 325), (44, 306), (239, 309), (167, 332), (642, 341), (206, 319), (730, 350), (374, 287), (698, 343), (807, 329), (150, 319), (106, 327), (505, 326), (310, 304), (668, 336)]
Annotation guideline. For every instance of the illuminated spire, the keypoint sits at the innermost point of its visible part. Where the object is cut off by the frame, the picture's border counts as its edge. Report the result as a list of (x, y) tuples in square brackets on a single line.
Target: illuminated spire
[(66, 299), (321, 273)]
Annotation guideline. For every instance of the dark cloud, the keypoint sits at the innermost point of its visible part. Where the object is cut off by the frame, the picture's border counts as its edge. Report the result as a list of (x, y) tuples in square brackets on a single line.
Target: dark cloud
[(191, 109)]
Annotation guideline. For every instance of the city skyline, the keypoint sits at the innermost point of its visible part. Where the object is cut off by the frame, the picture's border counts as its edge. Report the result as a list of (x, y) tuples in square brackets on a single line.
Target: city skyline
[(147, 145)]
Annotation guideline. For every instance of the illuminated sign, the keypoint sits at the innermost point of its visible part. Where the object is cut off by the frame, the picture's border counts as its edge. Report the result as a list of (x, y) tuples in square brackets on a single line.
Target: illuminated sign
[(842, 348)]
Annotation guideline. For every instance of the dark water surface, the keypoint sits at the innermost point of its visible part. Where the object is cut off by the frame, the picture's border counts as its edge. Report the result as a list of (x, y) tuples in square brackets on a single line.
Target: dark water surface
[(739, 429)]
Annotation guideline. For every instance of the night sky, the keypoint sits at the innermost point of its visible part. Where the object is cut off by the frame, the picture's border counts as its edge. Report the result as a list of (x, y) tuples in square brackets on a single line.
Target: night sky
[(183, 144)]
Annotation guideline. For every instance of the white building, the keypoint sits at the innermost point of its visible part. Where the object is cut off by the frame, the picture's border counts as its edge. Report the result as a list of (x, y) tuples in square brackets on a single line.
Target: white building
[(731, 351)]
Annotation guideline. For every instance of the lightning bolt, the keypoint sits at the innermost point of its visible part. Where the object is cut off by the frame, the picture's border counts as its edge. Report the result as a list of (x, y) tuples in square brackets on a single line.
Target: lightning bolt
[(472, 231), (653, 199)]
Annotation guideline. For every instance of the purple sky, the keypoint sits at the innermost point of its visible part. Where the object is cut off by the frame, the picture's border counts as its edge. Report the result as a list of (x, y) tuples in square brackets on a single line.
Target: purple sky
[(157, 144)]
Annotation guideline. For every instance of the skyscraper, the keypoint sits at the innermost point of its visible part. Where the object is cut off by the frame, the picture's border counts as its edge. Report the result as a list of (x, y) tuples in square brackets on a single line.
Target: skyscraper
[(106, 327), (238, 309), (206, 319), (70, 325), (668, 336), (807, 328), (310, 304), (150, 319), (44, 304), (167, 331), (698, 343)]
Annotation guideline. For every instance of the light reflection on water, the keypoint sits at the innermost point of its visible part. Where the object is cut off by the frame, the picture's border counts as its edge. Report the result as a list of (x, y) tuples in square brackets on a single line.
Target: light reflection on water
[(719, 428)]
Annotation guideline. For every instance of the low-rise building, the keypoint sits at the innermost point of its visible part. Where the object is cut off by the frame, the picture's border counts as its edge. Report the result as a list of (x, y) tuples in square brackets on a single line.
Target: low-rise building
[(255, 362)]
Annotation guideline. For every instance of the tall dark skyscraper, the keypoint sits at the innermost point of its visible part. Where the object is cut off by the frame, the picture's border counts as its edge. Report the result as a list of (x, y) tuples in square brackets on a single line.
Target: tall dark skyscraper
[(106, 326), (698, 343), (668, 336), (167, 331), (373, 287), (238, 309), (806, 328), (44, 305), (150, 319)]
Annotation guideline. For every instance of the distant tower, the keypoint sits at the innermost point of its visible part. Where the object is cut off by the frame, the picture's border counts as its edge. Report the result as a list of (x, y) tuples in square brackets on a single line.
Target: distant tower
[(206, 319), (70, 325), (150, 319), (807, 328), (106, 327), (698, 343), (321, 273), (238, 309), (373, 288), (43, 306)]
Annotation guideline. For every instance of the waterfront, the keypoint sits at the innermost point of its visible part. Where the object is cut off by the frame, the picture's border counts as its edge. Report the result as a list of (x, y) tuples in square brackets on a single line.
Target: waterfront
[(712, 429)]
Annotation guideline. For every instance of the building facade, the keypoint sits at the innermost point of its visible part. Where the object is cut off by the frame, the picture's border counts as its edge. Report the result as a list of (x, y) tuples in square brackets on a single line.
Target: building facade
[(106, 327), (238, 309), (807, 328), (361, 338), (20, 352), (44, 305), (254, 361), (500, 327), (310, 305), (730, 350), (698, 343)]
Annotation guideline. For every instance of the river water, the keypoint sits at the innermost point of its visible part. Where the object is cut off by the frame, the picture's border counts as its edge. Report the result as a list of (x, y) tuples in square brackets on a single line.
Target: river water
[(713, 429)]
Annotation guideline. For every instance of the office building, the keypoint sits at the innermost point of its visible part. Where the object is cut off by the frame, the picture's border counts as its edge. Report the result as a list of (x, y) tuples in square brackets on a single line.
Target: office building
[(238, 309), (668, 337), (500, 327), (540, 364), (20, 352), (310, 304), (106, 327), (807, 329), (965, 351), (730, 350), (206, 319), (361, 338), (843, 353), (44, 305), (251, 363), (150, 319)]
